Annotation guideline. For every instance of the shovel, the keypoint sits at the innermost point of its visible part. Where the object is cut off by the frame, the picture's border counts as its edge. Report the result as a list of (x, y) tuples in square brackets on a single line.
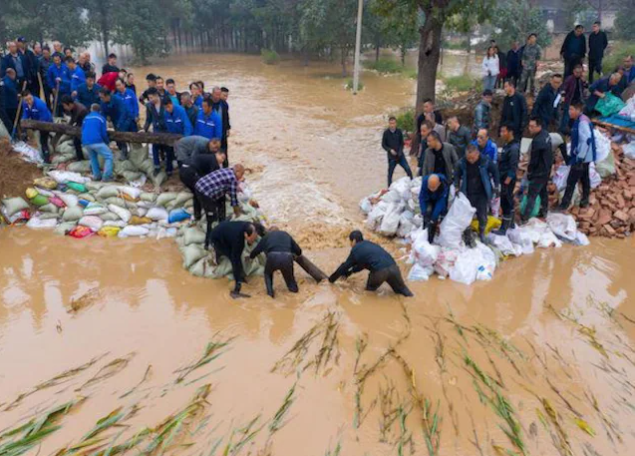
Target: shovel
[(18, 114)]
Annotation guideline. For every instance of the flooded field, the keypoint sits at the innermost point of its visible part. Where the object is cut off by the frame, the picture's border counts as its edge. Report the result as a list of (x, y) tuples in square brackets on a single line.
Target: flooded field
[(111, 347)]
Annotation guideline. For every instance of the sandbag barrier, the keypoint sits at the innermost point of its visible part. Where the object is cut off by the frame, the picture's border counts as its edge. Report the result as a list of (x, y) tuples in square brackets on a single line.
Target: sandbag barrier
[(73, 205), (395, 213)]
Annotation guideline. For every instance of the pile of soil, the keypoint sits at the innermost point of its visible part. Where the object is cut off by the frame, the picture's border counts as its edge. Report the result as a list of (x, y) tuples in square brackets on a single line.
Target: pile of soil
[(15, 174)]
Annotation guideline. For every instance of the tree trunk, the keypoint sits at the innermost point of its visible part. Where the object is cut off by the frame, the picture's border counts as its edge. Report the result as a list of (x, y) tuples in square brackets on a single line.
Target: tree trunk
[(343, 54), (429, 55), (404, 51), (141, 137), (377, 51)]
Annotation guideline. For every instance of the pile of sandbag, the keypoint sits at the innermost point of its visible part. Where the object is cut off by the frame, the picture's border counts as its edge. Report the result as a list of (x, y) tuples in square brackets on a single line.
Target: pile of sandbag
[(73, 205)]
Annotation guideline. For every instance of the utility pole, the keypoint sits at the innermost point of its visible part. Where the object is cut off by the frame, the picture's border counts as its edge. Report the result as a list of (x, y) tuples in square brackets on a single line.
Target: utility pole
[(358, 45)]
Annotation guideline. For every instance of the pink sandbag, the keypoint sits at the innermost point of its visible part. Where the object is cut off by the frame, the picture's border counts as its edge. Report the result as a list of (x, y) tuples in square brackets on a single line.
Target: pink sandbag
[(57, 201), (80, 232)]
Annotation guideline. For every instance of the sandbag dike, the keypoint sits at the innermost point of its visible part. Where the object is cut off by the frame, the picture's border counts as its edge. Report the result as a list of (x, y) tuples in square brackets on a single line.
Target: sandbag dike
[(73, 205)]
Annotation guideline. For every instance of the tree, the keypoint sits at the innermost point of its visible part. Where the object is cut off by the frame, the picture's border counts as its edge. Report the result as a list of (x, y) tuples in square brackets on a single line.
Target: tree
[(138, 25), (515, 20), (399, 25), (624, 24)]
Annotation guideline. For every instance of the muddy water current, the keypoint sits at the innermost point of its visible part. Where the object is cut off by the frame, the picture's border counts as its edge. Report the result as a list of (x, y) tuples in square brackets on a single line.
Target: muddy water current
[(539, 361)]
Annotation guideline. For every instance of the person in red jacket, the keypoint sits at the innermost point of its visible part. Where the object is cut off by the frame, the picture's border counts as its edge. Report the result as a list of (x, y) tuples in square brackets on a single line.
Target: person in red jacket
[(109, 79)]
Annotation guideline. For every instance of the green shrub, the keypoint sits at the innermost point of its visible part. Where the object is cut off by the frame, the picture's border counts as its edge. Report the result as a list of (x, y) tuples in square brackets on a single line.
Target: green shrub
[(349, 85), (405, 119), (619, 50), (411, 73), (384, 66), (270, 57)]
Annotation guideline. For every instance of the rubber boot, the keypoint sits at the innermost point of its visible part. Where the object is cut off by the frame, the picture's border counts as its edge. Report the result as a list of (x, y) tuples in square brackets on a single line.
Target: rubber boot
[(502, 231), (269, 285), (468, 238), (481, 236)]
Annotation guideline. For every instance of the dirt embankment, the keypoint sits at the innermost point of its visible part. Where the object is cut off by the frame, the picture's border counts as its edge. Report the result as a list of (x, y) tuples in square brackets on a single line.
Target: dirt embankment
[(15, 174)]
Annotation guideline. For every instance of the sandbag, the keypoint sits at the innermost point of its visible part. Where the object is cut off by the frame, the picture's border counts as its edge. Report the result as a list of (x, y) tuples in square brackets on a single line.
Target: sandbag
[(134, 177), (118, 202), (79, 188), (39, 200), (132, 192), (193, 235), (123, 214), (46, 182), (72, 214), (390, 221), (135, 220), (80, 167), (165, 198), (49, 208), (88, 197), (110, 191), (178, 215), (456, 222), (109, 217), (148, 197), (609, 105), (63, 228), (94, 209), (69, 200), (563, 226), (31, 193), (316, 273), (181, 199), (57, 202), (191, 254), (117, 223), (48, 215), (133, 231), (91, 221), (14, 205), (109, 231), (157, 213), (81, 232), (38, 223), (420, 273)]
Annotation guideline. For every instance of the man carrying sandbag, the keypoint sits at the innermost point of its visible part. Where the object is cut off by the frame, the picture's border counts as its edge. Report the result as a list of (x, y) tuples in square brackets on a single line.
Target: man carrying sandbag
[(281, 250), (382, 266), (433, 201), (197, 167), (191, 146), (229, 240), (474, 176)]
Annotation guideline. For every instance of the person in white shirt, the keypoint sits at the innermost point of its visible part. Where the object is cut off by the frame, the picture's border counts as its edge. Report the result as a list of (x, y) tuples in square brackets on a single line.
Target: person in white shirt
[(491, 68)]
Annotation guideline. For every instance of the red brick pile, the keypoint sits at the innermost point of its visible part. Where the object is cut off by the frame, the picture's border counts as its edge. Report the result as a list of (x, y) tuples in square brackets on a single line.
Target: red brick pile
[(611, 211)]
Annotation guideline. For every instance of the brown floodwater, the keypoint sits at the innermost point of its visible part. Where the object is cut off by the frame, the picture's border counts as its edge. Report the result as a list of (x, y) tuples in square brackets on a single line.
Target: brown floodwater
[(544, 352)]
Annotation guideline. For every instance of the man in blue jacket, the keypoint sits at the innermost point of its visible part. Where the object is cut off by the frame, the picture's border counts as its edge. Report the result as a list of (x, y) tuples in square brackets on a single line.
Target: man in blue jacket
[(35, 109), (88, 92), (600, 88), (433, 201), (485, 145), (507, 170), (473, 177), (583, 153), (176, 119), (9, 98), (573, 49), (59, 80), (95, 140), (77, 75), (129, 98), (209, 122), (544, 106), (122, 120)]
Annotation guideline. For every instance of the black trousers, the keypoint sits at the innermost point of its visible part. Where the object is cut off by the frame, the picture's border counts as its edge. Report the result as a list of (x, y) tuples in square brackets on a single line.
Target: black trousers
[(44, 142), (390, 275), (480, 202), (578, 173), (190, 177), (595, 66), (214, 212), (283, 262), (48, 97), (507, 199), (569, 65), (8, 117), (537, 187), (78, 149), (237, 264)]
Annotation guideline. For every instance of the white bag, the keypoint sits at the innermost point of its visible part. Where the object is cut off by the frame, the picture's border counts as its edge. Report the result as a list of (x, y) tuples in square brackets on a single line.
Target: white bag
[(365, 205), (519, 237), (69, 199), (505, 246), (424, 253), (91, 221), (456, 222), (94, 209), (38, 223), (157, 214), (123, 214), (62, 177), (563, 226), (466, 266), (419, 273), (376, 216), (133, 231), (390, 222)]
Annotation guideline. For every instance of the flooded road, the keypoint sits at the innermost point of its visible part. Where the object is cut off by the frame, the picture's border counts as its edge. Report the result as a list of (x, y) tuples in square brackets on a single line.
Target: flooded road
[(539, 361)]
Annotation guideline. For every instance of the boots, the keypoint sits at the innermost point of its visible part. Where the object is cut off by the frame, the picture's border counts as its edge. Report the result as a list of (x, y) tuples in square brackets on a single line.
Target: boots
[(468, 238), (507, 222)]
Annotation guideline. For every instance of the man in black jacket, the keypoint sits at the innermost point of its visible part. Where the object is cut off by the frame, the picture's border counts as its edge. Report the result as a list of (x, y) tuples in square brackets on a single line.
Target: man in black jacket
[(598, 42), (33, 84), (392, 142), (228, 239), (573, 49), (198, 166), (539, 169), (111, 66), (514, 67), (514, 110), (459, 136), (223, 109), (382, 266), (280, 249), (507, 169), (544, 106), (78, 112)]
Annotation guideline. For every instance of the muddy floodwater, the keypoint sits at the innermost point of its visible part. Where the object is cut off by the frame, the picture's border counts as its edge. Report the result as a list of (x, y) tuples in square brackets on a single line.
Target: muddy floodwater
[(149, 359)]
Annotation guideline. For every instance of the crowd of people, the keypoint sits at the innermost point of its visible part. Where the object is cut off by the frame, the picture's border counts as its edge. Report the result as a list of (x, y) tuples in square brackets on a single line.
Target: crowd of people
[(466, 157)]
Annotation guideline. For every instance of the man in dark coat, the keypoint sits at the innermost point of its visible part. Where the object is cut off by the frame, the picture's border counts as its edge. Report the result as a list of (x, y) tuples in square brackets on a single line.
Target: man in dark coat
[(514, 110), (539, 168), (598, 41), (544, 106), (573, 49)]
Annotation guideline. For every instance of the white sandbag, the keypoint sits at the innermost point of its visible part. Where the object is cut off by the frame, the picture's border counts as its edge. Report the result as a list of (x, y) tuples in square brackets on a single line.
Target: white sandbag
[(165, 198), (118, 202), (602, 146), (110, 217), (606, 167), (520, 237), (87, 197), (181, 199), (456, 222), (48, 215), (116, 223), (132, 231), (563, 226), (80, 167), (38, 223), (91, 221), (581, 239), (560, 177), (132, 192), (28, 153), (505, 246), (419, 273), (445, 261), (376, 216), (393, 196), (157, 214), (72, 214), (109, 191), (69, 199), (466, 266), (14, 205), (94, 209), (62, 177), (629, 150), (63, 228), (594, 176), (148, 197), (365, 205), (423, 253), (548, 239), (487, 265), (402, 187), (123, 214), (191, 254), (390, 222), (49, 209), (193, 235)]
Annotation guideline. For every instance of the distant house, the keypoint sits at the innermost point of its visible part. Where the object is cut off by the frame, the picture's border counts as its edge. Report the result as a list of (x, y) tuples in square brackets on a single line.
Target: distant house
[(558, 16)]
